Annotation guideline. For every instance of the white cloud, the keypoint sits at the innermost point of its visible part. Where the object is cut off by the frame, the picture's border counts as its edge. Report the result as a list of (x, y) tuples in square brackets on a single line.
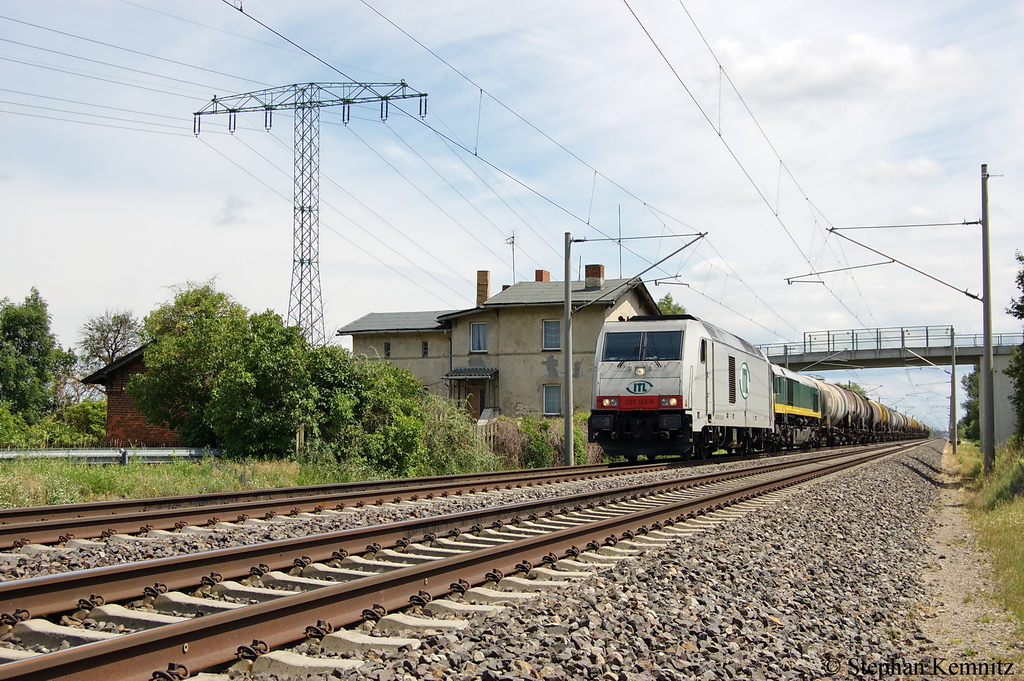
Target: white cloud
[(913, 169), (232, 211), (859, 65)]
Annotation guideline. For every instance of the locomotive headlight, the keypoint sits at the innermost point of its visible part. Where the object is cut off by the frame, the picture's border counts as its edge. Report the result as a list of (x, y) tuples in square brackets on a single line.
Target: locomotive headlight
[(640, 371), (670, 401), (609, 401)]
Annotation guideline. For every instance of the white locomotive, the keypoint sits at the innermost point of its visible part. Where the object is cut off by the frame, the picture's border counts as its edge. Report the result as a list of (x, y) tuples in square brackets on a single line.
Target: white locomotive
[(677, 385)]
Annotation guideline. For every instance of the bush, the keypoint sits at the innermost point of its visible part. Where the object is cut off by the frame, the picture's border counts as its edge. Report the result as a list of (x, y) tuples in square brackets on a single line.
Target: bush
[(539, 453), (452, 444), (1007, 480), (509, 442), (80, 425)]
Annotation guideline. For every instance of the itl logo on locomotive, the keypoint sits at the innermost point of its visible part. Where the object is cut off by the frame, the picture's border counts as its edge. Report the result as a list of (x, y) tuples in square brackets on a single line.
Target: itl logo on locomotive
[(744, 380), (639, 387)]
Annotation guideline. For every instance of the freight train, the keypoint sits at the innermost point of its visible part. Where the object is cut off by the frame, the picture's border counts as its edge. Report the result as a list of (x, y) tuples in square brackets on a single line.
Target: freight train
[(675, 385)]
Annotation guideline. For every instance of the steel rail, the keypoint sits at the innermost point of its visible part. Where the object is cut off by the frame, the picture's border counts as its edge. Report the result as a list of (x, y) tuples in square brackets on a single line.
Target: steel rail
[(85, 526), (58, 593), (211, 641), (385, 487), (57, 524)]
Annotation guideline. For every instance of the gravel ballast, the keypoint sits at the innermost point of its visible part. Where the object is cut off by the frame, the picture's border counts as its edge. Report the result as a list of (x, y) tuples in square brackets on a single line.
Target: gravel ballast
[(822, 583)]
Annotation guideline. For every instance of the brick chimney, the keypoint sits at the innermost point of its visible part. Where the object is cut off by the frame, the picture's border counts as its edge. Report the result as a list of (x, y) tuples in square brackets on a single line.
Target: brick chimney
[(483, 286), (595, 276), (542, 275)]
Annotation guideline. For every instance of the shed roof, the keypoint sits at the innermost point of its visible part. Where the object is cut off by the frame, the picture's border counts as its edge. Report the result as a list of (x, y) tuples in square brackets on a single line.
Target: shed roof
[(100, 376), (396, 322), (465, 373)]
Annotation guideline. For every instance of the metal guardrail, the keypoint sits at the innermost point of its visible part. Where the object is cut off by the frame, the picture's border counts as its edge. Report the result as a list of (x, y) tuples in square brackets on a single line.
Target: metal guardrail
[(113, 456), (886, 339)]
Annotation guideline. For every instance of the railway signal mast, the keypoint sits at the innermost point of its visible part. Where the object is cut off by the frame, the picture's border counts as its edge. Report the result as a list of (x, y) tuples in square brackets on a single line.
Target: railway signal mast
[(305, 305)]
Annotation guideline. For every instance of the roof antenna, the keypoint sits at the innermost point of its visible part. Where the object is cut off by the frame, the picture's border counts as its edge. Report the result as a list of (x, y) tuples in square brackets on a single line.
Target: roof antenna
[(511, 241)]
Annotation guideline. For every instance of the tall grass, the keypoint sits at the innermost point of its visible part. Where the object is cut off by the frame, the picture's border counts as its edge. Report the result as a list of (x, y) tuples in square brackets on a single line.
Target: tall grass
[(997, 515), (41, 482), (450, 446)]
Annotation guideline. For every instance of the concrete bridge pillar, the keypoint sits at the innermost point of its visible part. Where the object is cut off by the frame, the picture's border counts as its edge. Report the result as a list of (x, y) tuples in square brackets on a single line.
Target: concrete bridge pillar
[(1006, 419)]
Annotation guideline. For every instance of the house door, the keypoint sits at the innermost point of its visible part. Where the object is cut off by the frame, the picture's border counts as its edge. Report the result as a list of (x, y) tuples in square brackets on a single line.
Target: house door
[(476, 397)]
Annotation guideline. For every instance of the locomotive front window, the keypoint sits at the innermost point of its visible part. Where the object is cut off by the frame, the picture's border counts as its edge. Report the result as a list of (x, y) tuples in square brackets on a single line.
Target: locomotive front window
[(665, 346), (643, 345), (622, 347)]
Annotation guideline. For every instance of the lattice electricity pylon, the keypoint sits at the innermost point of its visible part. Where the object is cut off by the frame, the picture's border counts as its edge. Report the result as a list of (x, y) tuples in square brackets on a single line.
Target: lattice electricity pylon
[(305, 306)]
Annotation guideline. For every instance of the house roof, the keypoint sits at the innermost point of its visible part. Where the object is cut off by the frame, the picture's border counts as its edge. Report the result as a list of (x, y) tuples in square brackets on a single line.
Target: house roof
[(396, 322), (544, 293), (100, 376), (523, 294)]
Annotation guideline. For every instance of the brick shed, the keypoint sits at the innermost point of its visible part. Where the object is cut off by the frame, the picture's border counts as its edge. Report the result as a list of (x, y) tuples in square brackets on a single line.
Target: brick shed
[(125, 424)]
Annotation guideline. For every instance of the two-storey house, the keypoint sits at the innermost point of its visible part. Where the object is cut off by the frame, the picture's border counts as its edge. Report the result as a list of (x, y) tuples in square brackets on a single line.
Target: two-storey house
[(505, 354)]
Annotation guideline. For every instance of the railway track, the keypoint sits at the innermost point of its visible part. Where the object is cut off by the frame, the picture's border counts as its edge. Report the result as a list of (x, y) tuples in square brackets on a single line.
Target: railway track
[(57, 525), (347, 576)]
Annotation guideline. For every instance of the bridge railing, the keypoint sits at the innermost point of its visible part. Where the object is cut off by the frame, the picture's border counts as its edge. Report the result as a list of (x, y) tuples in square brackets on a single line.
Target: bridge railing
[(885, 339)]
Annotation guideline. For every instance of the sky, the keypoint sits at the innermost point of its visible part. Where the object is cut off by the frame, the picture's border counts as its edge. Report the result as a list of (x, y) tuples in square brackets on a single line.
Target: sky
[(760, 125)]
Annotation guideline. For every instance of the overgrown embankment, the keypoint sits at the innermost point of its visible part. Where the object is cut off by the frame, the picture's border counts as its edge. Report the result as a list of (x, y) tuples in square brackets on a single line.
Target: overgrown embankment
[(447, 442), (997, 515)]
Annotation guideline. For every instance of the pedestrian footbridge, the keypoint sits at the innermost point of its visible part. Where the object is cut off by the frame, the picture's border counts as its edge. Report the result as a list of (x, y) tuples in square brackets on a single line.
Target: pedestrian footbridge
[(903, 346)]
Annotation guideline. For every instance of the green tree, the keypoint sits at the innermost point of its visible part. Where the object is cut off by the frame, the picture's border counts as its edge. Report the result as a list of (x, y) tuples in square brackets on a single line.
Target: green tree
[(1015, 370), (668, 306), (367, 409), (30, 358), (223, 377), (969, 427), (105, 337), (194, 339), (262, 395), (1016, 308), (856, 388)]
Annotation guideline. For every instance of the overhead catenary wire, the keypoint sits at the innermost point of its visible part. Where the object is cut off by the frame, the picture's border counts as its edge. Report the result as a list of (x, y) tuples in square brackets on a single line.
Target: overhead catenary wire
[(457, 143), (728, 147), (596, 172), (585, 221)]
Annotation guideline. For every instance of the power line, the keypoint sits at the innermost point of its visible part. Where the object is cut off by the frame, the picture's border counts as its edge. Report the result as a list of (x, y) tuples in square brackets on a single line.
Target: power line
[(98, 106), (376, 215), (328, 227), (103, 63), (95, 77), (455, 142), (100, 125), (82, 113), (126, 49), (727, 146)]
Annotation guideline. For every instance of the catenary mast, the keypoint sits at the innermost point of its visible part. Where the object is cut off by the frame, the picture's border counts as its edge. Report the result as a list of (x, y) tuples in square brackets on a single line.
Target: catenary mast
[(305, 305)]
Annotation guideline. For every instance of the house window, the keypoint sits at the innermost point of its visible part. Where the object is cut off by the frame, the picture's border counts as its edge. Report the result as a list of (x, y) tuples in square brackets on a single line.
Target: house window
[(478, 337), (424, 348), (552, 335), (387, 349), (552, 400)]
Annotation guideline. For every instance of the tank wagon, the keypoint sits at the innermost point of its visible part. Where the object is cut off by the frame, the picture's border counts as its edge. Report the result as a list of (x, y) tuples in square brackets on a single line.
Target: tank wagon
[(677, 385)]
